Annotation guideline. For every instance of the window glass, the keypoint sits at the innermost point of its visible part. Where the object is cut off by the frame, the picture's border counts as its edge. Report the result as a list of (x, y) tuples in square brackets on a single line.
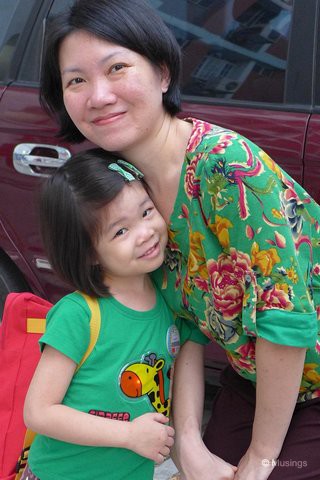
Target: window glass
[(31, 63), (13, 17), (59, 5), (232, 49)]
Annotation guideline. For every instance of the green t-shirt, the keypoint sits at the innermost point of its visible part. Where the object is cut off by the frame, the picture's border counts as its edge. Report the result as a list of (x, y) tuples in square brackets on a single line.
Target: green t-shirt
[(243, 258), (129, 341)]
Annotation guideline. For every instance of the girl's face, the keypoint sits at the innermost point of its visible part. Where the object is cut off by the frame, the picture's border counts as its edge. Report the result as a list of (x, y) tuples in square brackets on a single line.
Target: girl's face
[(112, 94), (133, 236)]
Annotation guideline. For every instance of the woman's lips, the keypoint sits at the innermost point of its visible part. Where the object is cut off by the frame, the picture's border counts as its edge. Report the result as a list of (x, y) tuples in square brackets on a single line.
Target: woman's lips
[(106, 119)]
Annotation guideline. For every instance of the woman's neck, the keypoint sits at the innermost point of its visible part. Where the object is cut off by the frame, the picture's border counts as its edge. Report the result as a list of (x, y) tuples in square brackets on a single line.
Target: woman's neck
[(160, 159), (162, 151)]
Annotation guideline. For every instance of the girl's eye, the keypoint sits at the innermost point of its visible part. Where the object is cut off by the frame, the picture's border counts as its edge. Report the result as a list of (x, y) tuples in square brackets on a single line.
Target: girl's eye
[(120, 232), (147, 212)]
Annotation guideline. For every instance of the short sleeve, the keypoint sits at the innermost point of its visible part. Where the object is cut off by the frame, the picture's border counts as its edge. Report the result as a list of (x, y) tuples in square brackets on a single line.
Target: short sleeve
[(68, 327), (190, 331), (264, 224)]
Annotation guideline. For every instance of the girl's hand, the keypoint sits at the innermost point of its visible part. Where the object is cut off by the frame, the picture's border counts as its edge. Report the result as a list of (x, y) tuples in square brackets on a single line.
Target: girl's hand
[(150, 437), (252, 467)]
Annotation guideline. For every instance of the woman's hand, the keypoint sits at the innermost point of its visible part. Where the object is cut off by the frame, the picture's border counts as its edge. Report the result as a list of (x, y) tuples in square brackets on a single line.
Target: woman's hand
[(253, 467), (198, 463), (279, 371), (191, 456), (150, 437)]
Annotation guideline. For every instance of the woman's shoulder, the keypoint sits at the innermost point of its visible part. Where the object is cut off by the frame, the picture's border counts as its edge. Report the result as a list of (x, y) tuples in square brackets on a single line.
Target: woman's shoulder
[(206, 135), (210, 143)]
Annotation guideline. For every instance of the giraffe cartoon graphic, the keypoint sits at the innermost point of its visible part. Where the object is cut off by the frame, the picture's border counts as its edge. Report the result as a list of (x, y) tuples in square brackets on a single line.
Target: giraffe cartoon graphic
[(146, 378)]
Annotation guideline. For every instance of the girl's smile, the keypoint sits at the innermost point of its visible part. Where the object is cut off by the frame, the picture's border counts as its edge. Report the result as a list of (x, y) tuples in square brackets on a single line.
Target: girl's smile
[(132, 238)]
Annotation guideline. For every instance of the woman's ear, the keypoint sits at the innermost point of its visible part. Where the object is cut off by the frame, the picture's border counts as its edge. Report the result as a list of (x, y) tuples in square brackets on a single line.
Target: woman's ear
[(165, 78)]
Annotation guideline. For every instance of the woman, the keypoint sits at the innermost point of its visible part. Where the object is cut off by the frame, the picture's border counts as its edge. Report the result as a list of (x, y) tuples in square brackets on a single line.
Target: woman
[(242, 260)]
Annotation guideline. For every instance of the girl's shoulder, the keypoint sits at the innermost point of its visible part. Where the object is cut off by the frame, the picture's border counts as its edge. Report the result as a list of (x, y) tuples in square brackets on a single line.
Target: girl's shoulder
[(72, 305), (73, 299)]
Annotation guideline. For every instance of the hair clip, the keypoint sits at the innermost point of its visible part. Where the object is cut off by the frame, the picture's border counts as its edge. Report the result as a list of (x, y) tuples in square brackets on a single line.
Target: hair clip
[(126, 175), (132, 168)]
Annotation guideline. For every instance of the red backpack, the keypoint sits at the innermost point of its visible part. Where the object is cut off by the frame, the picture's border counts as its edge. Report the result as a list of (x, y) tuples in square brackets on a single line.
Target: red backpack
[(23, 323)]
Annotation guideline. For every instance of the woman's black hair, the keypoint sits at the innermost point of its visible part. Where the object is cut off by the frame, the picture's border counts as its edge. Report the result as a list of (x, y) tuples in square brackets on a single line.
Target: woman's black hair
[(133, 24), (70, 204)]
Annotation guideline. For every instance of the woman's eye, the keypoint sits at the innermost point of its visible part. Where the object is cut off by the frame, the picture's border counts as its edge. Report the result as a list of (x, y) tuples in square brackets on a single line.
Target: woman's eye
[(75, 81), (117, 67), (147, 212)]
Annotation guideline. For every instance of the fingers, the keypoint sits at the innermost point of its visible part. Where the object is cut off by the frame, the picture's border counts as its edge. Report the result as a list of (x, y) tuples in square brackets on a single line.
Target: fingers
[(159, 417), (159, 458), (170, 441), (165, 451)]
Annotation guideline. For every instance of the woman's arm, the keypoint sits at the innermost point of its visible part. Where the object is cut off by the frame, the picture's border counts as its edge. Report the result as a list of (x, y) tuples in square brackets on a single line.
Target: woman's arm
[(279, 372), (189, 453), (45, 414)]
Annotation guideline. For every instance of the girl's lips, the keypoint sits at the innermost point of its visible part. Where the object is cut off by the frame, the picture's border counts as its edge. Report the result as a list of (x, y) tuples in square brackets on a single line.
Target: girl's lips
[(152, 252)]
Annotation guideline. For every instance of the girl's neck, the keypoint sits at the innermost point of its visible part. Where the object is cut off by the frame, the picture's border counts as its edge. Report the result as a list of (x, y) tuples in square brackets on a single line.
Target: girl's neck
[(137, 293)]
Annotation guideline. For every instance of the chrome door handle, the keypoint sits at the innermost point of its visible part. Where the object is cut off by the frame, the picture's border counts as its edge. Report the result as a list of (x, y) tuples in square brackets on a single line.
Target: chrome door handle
[(38, 160)]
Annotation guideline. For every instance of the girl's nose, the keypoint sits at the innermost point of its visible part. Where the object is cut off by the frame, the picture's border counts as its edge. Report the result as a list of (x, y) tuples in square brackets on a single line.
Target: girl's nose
[(101, 94), (145, 233)]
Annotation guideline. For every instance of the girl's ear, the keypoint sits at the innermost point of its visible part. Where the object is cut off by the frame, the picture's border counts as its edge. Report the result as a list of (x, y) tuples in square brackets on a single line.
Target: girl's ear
[(165, 78)]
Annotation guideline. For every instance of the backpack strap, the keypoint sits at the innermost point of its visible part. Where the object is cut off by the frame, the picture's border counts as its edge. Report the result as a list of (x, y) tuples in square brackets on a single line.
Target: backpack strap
[(23, 459), (36, 325), (95, 323)]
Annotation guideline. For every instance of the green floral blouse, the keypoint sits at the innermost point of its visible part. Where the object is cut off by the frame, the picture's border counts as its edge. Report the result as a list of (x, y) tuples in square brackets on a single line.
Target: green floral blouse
[(243, 258)]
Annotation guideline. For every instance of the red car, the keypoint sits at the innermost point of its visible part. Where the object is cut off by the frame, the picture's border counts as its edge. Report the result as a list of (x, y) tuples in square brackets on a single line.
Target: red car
[(248, 64)]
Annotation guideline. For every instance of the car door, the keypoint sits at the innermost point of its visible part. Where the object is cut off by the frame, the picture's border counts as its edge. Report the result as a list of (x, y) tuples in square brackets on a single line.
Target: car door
[(29, 149), (16, 18), (248, 65), (312, 148)]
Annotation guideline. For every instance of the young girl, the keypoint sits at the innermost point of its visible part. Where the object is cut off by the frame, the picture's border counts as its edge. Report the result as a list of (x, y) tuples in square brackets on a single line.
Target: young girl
[(108, 420)]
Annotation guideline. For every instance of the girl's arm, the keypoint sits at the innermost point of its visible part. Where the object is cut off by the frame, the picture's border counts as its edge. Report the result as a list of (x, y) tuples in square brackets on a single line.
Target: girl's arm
[(44, 413), (190, 454), (279, 372)]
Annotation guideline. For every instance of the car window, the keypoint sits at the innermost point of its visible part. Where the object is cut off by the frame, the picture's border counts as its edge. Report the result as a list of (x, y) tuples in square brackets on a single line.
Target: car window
[(31, 63), (13, 18), (59, 5), (232, 49)]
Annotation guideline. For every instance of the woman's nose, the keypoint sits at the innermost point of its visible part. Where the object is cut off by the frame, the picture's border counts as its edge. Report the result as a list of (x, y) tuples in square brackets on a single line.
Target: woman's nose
[(101, 94)]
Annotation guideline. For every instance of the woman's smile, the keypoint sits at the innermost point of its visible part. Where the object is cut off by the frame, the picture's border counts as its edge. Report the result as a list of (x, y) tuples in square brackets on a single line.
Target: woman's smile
[(105, 85)]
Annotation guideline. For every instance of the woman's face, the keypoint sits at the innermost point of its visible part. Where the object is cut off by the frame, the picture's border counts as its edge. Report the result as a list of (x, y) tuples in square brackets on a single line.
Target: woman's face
[(112, 94)]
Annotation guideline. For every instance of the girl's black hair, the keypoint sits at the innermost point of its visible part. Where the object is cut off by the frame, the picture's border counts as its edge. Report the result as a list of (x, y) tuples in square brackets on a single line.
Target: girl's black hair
[(133, 24), (70, 201)]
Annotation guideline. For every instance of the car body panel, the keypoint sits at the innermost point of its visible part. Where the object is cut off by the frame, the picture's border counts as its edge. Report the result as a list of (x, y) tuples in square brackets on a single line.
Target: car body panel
[(287, 129)]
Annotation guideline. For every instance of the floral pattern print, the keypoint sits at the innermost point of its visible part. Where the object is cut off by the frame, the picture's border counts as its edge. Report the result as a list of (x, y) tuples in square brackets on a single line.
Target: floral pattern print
[(243, 257)]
